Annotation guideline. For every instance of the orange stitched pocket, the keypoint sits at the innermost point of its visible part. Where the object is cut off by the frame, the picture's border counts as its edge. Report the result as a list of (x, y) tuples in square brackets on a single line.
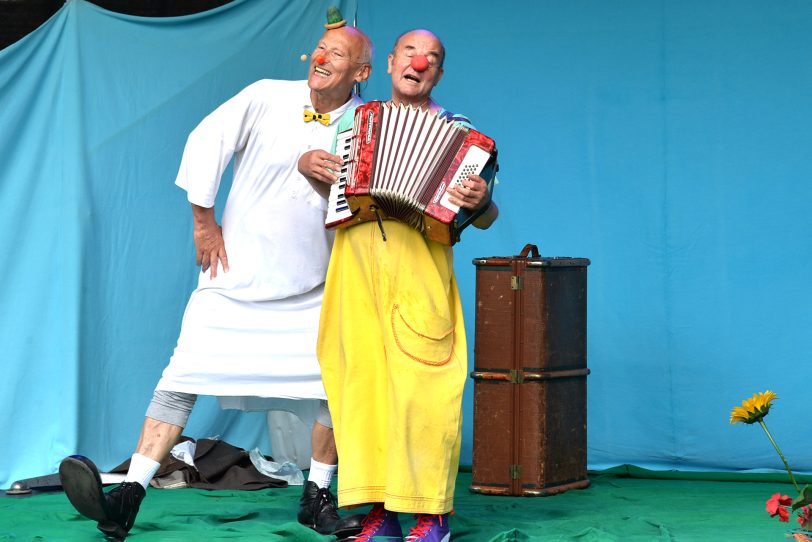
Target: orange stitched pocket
[(423, 336)]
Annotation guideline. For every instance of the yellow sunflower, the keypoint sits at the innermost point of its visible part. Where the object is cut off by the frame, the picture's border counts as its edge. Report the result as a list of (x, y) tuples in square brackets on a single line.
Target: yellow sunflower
[(754, 408)]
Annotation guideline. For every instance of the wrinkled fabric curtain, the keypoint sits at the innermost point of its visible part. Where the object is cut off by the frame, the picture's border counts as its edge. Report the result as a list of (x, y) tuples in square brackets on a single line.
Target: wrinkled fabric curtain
[(96, 108)]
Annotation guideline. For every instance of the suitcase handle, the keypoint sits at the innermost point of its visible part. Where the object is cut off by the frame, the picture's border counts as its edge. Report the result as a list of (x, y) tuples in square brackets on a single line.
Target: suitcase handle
[(529, 250)]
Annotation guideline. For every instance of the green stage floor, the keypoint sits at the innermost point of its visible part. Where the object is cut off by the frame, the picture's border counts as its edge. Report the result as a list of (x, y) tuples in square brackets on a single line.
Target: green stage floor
[(616, 507)]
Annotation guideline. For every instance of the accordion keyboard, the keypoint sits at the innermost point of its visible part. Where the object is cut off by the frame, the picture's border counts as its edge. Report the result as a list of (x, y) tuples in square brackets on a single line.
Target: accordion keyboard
[(337, 208)]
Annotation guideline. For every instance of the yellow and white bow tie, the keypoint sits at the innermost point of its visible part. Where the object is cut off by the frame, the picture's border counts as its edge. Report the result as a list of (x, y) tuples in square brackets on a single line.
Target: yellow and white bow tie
[(322, 118)]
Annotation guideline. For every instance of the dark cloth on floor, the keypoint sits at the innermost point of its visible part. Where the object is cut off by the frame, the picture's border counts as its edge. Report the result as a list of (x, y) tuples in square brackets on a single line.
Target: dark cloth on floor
[(219, 466)]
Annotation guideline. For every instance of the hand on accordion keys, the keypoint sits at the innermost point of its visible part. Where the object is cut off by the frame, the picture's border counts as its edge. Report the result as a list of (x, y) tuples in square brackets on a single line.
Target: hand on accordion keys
[(319, 168), (471, 194)]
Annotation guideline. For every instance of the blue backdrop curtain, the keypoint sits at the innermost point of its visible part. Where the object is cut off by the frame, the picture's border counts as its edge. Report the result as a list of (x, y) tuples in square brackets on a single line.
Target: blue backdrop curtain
[(666, 141), (96, 110)]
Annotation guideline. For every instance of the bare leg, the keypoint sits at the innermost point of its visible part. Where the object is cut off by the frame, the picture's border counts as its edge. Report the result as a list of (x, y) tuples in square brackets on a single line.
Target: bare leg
[(158, 438), (324, 445)]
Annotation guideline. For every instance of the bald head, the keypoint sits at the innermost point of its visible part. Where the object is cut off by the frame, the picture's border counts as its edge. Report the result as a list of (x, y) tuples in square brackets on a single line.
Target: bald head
[(426, 34), (360, 42)]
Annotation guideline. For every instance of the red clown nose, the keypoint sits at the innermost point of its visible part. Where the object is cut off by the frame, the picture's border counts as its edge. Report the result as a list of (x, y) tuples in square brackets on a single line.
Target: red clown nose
[(420, 63), (320, 60)]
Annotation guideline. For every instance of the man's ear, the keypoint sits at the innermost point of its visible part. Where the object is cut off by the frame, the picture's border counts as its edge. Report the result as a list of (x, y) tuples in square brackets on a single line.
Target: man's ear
[(363, 73), (439, 76), (389, 63)]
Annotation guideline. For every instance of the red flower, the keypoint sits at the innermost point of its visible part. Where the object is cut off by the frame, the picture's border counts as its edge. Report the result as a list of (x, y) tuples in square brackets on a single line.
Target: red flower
[(805, 517), (776, 506)]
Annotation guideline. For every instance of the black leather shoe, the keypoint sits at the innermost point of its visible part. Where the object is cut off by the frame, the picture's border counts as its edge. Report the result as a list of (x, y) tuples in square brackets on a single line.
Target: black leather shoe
[(317, 509), (114, 511)]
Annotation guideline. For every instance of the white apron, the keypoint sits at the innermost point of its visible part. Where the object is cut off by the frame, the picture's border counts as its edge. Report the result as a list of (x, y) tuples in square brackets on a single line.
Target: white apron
[(252, 331)]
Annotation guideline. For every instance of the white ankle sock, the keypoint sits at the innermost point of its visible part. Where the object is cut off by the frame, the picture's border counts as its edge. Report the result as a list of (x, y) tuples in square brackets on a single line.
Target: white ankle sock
[(142, 469), (320, 473)]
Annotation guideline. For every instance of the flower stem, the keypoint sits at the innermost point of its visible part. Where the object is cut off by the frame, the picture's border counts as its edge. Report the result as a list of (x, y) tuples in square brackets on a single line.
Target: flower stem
[(777, 449)]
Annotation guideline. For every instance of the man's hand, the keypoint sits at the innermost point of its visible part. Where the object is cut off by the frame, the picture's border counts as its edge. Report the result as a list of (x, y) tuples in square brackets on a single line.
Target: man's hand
[(472, 194), (320, 166), (209, 244)]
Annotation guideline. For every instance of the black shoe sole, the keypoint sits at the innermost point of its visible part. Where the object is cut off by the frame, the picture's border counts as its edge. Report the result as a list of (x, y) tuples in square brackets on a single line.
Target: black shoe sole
[(315, 527), (352, 526), (112, 530), (82, 484)]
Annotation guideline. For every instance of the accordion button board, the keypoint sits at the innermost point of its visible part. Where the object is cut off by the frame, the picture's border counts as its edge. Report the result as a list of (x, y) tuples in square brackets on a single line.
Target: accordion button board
[(473, 163)]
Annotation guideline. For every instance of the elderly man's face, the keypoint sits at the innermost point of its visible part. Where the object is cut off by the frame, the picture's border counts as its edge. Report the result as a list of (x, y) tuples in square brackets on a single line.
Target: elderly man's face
[(409, 85), (343, 66)]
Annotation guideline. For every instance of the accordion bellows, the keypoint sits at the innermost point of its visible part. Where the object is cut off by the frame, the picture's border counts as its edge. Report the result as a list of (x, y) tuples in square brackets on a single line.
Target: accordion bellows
[(399, 163)]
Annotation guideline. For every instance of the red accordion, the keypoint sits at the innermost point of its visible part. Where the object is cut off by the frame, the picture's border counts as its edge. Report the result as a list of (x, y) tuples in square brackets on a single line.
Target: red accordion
[(399, 163)]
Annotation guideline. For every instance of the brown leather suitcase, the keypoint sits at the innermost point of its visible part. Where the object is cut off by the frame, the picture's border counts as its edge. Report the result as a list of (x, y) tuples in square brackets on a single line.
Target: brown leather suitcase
[(530, 375)]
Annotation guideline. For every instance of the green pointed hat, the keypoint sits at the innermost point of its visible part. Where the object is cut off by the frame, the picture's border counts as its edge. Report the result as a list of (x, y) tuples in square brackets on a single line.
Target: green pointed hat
[(334, 18)]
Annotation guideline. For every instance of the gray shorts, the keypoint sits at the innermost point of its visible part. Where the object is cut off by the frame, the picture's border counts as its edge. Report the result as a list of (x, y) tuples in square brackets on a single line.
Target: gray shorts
[(171, 407), (174, 407)]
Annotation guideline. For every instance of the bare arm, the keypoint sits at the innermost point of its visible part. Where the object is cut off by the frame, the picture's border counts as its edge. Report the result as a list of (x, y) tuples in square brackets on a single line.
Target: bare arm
[(319, 168), (208, 236), (484, 221)]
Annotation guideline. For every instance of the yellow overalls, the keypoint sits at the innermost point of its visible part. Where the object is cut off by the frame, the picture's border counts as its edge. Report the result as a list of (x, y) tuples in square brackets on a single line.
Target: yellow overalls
[(394, 362)]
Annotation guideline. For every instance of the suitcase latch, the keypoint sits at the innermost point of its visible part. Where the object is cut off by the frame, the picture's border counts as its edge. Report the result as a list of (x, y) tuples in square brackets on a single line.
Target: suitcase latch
[(515, 472), (516, 282), (516, 376)]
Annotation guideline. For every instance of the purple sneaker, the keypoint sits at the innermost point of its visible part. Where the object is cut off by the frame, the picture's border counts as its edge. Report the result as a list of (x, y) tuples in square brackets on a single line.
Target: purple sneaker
[(430, 528), (379, 524)]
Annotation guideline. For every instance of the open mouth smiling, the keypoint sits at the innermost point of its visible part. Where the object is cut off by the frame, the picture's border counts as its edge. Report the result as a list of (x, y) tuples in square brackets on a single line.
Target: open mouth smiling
[(321, 71), (412, 78)]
